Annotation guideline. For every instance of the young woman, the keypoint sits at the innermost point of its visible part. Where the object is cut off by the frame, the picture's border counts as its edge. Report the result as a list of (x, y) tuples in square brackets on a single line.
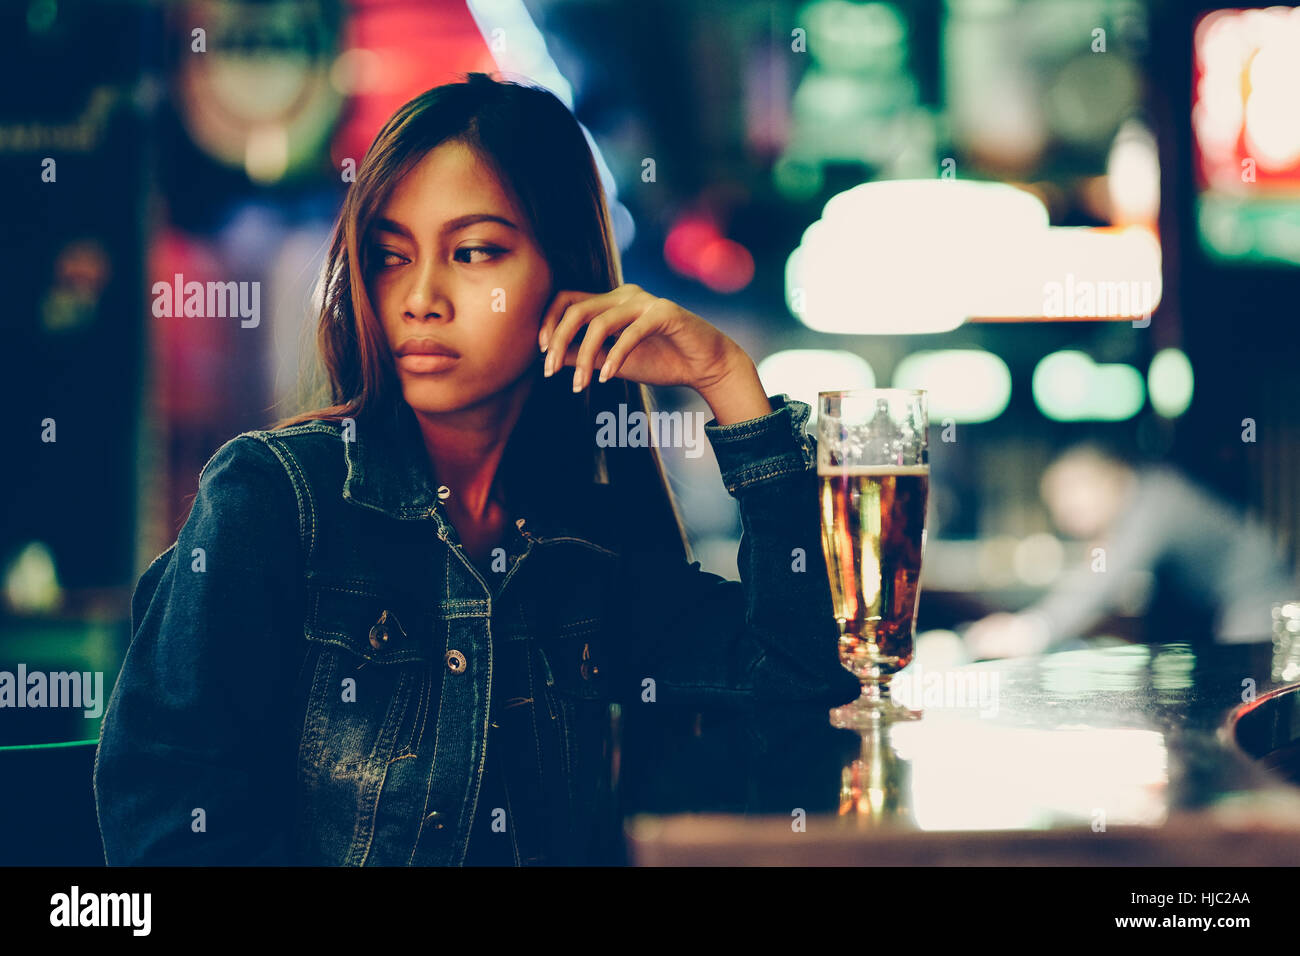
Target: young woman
[(391, 628)]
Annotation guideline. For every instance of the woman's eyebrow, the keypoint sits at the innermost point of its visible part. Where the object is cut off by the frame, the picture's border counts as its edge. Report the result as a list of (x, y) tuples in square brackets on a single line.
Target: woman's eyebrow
[(460, 222)]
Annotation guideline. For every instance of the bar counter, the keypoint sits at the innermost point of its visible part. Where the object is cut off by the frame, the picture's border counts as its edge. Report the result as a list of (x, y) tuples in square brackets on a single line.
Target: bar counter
[(1122, 755)]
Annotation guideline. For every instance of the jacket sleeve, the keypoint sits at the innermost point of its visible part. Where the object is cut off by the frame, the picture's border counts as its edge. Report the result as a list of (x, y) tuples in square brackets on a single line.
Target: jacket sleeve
[(195, 721), (769, 636)]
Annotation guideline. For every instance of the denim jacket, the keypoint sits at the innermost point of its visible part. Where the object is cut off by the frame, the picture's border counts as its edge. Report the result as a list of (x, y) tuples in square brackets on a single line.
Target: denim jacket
[(310, 678)]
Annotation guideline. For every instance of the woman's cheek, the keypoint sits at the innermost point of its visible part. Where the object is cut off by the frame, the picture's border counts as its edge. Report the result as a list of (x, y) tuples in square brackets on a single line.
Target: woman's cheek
[(513, 348)]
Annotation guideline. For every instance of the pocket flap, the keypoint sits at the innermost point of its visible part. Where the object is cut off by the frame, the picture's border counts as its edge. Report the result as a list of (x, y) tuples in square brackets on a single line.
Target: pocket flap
[(575, 661), (373, 623)]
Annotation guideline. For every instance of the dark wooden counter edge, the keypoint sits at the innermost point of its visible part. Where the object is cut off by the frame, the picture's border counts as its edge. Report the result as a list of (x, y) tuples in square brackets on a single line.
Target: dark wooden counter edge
[(1265, 834)]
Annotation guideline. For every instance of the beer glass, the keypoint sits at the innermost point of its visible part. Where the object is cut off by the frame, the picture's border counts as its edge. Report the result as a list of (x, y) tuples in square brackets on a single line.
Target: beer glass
[(1286, 641), (873, 470)]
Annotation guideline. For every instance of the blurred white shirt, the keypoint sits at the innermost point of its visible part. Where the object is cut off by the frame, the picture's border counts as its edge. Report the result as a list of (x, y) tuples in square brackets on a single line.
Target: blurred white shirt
[(1210, 549)]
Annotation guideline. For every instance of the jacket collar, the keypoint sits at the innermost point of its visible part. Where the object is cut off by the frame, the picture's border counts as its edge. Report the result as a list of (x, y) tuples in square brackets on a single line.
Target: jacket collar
[(388, 467), (388, 470)]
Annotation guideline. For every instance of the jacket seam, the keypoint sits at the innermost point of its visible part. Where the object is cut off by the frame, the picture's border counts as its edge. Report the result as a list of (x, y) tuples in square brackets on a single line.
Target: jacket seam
[(302, 491), (763, 471), (386, 741), (433, 763), (573, 539)]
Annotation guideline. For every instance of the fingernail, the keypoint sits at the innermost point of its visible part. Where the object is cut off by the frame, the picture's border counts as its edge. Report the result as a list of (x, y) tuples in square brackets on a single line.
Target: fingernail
[(546, 338), (546, 369), (577, 381), (604, 371)]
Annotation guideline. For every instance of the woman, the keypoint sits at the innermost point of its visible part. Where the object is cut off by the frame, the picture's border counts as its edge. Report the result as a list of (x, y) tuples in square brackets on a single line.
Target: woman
[(391, 628)]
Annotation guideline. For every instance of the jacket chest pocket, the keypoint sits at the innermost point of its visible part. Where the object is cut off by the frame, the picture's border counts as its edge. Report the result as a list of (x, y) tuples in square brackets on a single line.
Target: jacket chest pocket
[(372, 686), (573, 661)]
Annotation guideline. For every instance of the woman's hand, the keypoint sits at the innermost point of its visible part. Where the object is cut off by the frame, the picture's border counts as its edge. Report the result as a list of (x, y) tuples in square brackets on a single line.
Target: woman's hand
[(656, 342)]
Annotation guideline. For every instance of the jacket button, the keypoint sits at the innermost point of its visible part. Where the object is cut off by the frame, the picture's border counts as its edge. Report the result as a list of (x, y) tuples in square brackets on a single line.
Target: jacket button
[(434, 820), (380, 634), (455, 662), (587, 669)]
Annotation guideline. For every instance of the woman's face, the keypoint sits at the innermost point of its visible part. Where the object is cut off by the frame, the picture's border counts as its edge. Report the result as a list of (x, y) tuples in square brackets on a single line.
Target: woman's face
[(460, 295)]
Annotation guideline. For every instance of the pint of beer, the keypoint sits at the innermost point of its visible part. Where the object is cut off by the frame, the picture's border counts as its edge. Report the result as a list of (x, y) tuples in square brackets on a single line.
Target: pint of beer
[(874, 476)]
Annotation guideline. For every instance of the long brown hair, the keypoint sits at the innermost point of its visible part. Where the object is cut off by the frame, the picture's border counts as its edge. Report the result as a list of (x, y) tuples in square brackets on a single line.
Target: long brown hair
[(533, 143)]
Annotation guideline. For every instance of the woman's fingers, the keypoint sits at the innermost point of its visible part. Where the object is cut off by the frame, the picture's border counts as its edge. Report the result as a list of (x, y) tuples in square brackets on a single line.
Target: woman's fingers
[(610, 322), (628, 339), (570, 310), (573, 318), (555, 311), (571, 357)]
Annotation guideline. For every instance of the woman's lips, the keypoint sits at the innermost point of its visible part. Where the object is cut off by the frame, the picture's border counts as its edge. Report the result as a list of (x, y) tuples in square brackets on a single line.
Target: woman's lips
[(423, 363)]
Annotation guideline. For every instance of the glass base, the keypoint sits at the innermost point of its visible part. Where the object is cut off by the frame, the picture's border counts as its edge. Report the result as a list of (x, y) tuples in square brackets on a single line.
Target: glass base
[(875, 704)]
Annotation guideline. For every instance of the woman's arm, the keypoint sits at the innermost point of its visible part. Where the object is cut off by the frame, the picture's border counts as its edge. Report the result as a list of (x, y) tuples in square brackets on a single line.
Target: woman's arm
[(769, 636), (195, 762), (773, 633)]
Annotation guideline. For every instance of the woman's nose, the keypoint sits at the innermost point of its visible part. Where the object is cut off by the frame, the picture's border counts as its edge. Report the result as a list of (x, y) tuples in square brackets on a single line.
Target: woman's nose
[(425, 299)]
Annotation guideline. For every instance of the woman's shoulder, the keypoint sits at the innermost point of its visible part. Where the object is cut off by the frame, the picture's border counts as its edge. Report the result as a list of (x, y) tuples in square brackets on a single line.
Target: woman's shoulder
[(259, 466), (291, 447), (244, 474), (245, 514), (263, 475), (300, 433)]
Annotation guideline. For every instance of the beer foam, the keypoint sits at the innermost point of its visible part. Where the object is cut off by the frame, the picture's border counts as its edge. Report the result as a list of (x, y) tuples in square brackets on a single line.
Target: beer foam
[(873, 471)]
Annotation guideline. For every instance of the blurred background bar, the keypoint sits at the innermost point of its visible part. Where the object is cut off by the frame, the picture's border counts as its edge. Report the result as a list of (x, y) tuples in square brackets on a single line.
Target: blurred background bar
[(1075, 220)]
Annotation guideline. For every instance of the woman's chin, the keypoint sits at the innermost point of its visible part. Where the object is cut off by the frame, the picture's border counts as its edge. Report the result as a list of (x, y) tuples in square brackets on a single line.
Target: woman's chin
[(442, 394), (435, 397)]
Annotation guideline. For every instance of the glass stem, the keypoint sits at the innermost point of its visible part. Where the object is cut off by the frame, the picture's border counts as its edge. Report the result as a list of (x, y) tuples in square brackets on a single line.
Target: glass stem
[(875, 692)]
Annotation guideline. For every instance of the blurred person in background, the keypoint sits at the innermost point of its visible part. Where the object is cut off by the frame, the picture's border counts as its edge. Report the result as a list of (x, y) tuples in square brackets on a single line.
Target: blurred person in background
[(1216, 572)]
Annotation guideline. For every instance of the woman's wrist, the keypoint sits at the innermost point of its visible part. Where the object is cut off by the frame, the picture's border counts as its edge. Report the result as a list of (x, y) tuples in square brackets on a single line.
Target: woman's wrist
[(737, 394)]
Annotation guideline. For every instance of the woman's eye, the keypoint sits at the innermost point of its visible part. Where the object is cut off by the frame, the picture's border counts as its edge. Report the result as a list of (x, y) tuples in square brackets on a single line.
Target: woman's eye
[(490, 251), (389, 258)]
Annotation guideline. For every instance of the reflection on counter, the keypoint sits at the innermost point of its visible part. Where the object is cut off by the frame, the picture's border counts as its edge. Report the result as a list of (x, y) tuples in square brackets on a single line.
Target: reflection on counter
[(1111, 754), (876, 783)]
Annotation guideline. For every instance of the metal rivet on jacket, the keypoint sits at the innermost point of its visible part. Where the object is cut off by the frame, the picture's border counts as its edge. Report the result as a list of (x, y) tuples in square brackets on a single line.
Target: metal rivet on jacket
[(384, 631), (455, 662)]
